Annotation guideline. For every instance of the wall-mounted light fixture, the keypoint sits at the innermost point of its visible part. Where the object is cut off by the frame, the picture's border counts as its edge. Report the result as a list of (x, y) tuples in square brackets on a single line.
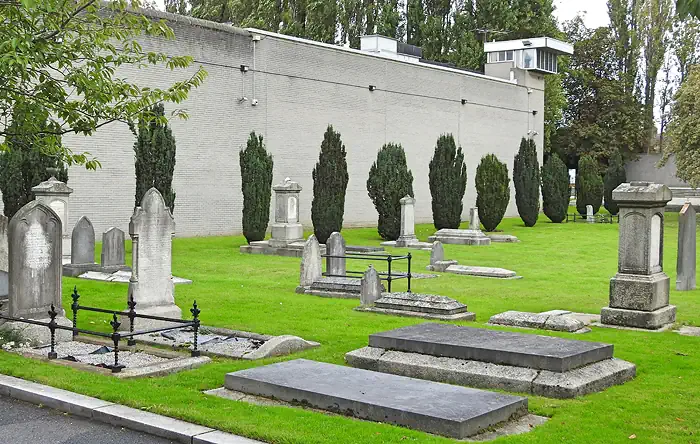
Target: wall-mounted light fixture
[(372, 87), (464, 101), (244, 68)]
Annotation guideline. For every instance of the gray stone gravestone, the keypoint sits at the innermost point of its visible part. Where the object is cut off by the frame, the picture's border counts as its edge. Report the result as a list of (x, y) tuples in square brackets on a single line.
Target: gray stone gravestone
[(408, 222), (472, 236), (310, 269), (639, 292), (35, 236), (335, 246), (82, 256), (371, 287), (286, 229), (113, 256), (686, 262), (56, 195), (590, 217), (151, 228), (437, 258), (4, 258), (474, 222)]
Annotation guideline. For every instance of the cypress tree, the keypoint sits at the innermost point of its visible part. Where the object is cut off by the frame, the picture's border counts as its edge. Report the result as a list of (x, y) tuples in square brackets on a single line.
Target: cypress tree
[(526, 178), (614, 176), (28, 160), (589, 185), (555, 189), (330, 184), (492, 191), (256, 184), (154, 152), (448, 181), (389, 181)]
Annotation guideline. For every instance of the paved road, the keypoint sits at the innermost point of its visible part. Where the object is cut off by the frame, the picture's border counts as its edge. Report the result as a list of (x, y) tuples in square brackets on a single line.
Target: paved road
[(24, 423)]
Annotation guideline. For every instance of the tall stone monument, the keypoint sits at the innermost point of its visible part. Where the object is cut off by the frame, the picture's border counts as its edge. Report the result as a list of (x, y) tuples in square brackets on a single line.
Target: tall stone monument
[(286, 229), (408, 222), (335, 246), (113, 256), (82, 255), (639, 292), (56, 195), (686, 263), (35, 236), (4, 258), (152, 227)]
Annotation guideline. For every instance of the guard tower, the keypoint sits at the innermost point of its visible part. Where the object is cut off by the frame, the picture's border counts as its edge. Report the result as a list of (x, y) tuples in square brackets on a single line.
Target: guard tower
[(538, 56)]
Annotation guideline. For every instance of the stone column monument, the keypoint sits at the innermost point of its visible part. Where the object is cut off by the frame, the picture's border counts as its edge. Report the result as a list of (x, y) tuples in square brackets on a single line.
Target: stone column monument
[(639, 292), (56, 195), (686, 263), (408, 222), (286, 228)]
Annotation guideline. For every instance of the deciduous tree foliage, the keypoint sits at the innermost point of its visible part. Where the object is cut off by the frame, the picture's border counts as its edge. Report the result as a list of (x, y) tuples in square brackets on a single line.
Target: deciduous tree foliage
[(688, 7), (389, 181), (492, 191), (589, 185), (61, 58), (684, 130), (256, 183), (526, 178), (555, 189), (330, 184), (447, 179)]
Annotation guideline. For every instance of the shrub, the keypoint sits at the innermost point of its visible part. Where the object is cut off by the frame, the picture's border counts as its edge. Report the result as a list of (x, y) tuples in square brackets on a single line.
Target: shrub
[(389, 181), (555, 189), (526, 178), (256, 184), (154, 152), (330, 183), (492, 191), (614, 176), (448, 181), (26, 163), (589, 185)]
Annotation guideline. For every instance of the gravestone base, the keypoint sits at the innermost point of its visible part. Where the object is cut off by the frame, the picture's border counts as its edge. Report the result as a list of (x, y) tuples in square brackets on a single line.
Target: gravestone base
[(334, 287), (39, 335), (75, 270), (296, 249), (440, 265), (639, 292), (112, 268), (286, 233), (460, 237), (418, 305), (648, 320), (412, 244), (166, 311)]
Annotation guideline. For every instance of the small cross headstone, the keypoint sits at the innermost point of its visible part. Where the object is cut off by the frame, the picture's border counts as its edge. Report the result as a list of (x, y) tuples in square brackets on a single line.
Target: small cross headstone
[(371, 287), (310, 269), (113, 250), (335, 246), (686, 261)]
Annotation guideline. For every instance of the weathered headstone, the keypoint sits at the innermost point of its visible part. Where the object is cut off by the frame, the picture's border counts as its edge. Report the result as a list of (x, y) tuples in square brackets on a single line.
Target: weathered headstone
[(474, 222), (56, 195), (472, 236), (82, 256), (113, 256), (310, 269), (371, 287), (4, 257), (286, 228), (335, 246), (686, 261), (408, 221), (151, 228), (437, 258), (35, 249), (639, 292), (590, 217)]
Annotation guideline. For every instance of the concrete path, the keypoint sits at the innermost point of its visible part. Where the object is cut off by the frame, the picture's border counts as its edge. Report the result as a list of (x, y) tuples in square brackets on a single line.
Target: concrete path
[(24, 423)]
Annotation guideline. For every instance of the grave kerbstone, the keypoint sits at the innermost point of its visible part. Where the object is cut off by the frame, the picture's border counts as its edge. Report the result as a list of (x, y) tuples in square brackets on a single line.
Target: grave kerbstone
[(56, 195), (686, 259), (35, 236), (4, 258), (639, 292), (335, 246), (371, 287), (443, 409), (310, 268), (113, 256), (151, 228), (82, 257), (286, 229), (419, 305), (590, 217), (542, 321), (488, 272)]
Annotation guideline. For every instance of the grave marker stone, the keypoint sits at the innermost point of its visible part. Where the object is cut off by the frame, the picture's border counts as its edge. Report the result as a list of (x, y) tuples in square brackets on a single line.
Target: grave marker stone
[(335, 266), (437, 253), (472, 236), (408, 221), (474, 222), (310, 269), (639, 292), (686, 260), (56, 195), (590, 217), (151, 228), (371, 287), (286, 229), (82, 257), (4, 257), (113, 256)]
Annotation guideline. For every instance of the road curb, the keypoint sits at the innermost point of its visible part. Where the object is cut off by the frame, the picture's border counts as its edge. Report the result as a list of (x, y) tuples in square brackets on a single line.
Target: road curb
[(115, 414)]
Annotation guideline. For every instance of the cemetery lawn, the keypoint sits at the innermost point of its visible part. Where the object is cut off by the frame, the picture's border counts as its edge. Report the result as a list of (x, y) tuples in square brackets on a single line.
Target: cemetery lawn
[(565, 266)]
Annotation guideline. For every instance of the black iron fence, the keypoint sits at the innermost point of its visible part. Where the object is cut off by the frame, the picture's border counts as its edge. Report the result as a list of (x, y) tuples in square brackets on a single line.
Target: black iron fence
[(116, 335), (599, 218), (388, 276)]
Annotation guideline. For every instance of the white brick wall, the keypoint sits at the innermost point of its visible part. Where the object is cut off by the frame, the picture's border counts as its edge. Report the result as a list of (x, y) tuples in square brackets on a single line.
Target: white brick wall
[(310, 89)]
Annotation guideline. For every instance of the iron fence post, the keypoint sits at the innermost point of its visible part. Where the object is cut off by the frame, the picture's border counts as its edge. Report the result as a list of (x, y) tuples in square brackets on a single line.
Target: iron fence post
[(388, 261), (52, 328), (409, 272), (195, 315), (74, 306), (116, 368), (132, 315)]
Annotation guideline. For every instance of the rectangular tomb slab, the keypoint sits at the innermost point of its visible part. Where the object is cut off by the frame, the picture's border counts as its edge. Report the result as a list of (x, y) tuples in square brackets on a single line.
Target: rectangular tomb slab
[(443, 409), (495, 347)]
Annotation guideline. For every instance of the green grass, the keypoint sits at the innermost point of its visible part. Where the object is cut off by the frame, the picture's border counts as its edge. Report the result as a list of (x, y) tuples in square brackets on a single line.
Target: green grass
[(565, 266)]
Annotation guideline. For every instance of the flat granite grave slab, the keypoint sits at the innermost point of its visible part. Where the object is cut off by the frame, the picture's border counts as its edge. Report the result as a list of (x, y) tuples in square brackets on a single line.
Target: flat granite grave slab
[(502, 238), (495, 347), (296, 249), (427, 306), (122, 276), (555, 320), (443, 409), (460, 237), (488, 272)]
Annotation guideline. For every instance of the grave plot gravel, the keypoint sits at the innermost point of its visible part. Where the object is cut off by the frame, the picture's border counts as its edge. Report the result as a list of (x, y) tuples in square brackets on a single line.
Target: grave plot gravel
[(86, 353), (226, 345)]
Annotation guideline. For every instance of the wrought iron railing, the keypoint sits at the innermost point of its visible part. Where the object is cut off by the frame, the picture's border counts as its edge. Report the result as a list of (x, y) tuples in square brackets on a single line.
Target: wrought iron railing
[(387, 276), (599, 218)]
